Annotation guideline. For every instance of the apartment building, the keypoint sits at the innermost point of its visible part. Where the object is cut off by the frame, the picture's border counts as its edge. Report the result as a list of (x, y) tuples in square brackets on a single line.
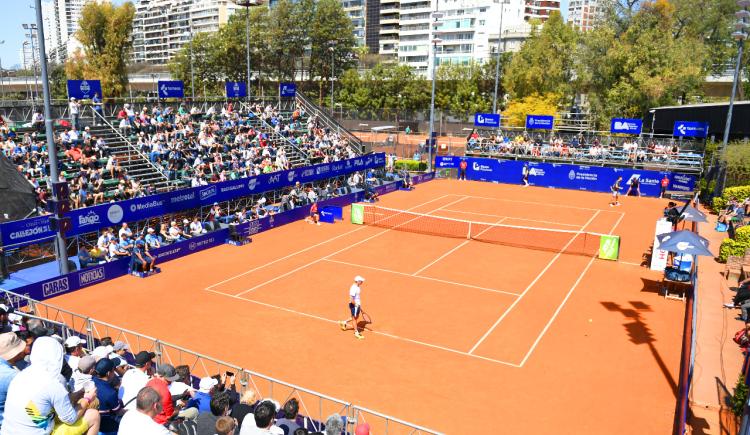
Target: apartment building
[(60, 22), (466, 32), (162, 27), (540, 9), (585, 14)]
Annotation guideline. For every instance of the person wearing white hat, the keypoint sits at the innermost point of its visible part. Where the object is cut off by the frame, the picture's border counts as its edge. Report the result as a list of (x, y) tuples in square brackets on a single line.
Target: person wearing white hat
[(355, 306), (74, 351)]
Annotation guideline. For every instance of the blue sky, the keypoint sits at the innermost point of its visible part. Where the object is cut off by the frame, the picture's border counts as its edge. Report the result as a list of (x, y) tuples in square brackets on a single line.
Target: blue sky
[(21, 12)]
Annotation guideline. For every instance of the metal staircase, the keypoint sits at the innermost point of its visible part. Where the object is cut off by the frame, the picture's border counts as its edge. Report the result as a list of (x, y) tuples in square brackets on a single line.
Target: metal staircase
[(296, 156), (129, 157), (327, 120)]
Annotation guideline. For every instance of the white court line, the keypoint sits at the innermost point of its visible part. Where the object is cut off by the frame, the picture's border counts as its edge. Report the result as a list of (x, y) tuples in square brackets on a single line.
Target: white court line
[(308, 248), (540, 203), (460, 284), (562, 304), (511, 217), (346, 248), (456, 248), (385, 334), (515, 303)]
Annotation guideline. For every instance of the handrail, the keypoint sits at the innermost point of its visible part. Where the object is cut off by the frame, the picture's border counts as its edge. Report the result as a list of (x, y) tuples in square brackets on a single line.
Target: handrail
[(131, 147), (350, 411), (359, 409), (687, 359), (330, 122), (304, 155)]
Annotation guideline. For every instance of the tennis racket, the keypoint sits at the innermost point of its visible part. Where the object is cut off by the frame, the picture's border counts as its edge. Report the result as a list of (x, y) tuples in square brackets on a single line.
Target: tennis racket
[(366, 318)]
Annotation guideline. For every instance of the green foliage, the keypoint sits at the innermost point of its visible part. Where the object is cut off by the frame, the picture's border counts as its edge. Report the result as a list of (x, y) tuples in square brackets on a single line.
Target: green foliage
[(646, 58), (545, 64), (738, 164), (411, 165), (104, 31), (386, 86), (739, 192), (279, 37), (736, 246), (516, 112), (739, 398)]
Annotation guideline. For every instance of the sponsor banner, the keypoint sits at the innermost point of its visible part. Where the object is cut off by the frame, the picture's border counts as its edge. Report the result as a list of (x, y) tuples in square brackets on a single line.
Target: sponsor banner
[(609, 247), (567, 176), (626, 126), (287, 90), (236, 89), (486, 120), (540, 122), (84, 89), (92, 219), (195, 244), (690, 129), (93, 275), (171, 89), (26, 231), (447, 162)]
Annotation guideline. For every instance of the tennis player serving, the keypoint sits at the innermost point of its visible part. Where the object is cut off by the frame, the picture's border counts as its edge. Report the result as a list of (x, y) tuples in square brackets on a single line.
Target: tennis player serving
[(355, 306), (616, 192)]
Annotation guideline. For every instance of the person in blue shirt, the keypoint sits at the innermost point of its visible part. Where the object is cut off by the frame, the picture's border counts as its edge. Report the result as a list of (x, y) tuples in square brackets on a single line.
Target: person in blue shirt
[(11, 351), (202, 398), (110, 406), (152, 240), (97, 107)]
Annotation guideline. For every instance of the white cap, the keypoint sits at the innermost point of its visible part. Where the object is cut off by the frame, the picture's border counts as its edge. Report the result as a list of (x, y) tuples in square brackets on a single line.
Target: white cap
[(102, 352), (207, 383), (359, 279), (73, 341)]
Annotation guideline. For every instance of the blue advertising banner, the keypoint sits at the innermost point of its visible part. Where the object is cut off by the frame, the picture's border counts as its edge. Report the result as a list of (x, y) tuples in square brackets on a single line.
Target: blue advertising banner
[(236, 89), (540, 122), (96, 274), (287, 89), (567, 176), (171, 89), (84, 89), (626, 126), (92, 219), (690, 129), (486, 120)]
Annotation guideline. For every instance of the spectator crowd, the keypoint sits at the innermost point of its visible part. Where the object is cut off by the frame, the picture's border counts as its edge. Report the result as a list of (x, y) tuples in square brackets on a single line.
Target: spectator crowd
[(53, 386), (577, 146), (188, 147)]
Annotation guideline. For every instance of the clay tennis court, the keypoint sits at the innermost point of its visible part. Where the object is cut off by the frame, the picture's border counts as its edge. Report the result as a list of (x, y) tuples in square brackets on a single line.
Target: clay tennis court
[(466, 336)]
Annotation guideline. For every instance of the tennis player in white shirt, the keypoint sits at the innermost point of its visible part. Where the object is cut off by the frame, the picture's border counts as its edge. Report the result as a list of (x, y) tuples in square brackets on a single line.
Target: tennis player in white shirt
[(355, 306)]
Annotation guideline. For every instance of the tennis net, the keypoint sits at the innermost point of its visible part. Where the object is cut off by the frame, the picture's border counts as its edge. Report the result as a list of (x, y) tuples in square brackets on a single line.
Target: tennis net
[(545, 239)]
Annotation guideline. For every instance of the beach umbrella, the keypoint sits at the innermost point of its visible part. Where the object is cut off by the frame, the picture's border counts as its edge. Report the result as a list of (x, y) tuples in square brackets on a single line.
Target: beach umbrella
[(692, 214), (684, 242)]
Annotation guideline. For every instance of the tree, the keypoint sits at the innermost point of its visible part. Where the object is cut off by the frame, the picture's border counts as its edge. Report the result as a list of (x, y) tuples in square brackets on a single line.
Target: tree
[(546, 62), (459, 89), (645, 65), (331, 42), (104, 32), (536, 104)]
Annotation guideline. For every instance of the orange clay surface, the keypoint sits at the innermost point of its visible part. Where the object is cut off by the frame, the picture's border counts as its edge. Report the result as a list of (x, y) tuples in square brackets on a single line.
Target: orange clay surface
[(466, 337)]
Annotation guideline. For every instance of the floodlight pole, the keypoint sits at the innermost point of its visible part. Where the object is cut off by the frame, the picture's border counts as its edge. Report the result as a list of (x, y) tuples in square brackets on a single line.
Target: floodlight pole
[(61, 251)]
